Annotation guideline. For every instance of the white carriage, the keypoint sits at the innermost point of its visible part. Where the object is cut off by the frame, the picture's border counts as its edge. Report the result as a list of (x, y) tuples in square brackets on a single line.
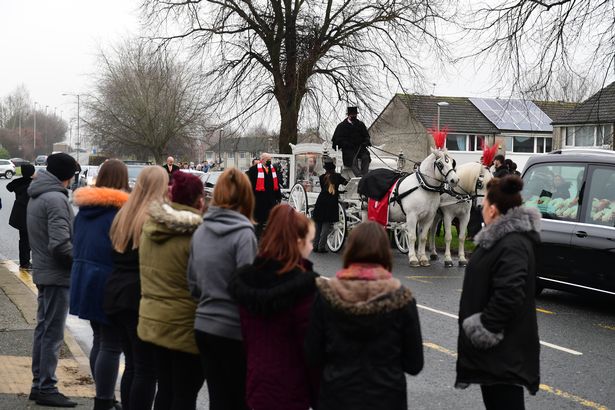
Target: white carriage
[(305, 166)]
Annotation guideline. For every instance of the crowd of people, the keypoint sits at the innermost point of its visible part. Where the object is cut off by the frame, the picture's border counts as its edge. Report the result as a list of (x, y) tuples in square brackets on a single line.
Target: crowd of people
[(225, 295)]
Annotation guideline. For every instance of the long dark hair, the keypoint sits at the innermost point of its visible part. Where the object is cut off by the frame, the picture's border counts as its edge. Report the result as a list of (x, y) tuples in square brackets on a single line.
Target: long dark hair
[(505, 192), (369, 243)]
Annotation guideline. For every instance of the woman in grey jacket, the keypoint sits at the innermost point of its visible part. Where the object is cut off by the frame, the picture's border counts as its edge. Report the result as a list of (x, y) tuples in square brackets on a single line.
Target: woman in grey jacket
[(224, 242)]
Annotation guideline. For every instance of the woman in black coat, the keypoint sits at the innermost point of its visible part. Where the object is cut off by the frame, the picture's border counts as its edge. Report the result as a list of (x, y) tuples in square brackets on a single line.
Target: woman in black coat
[(498, 341), (326, 212), (364, 331), (18, 214)]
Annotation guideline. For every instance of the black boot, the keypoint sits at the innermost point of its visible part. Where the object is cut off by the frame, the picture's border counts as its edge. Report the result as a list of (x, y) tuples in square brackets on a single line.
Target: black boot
[(106, 404)]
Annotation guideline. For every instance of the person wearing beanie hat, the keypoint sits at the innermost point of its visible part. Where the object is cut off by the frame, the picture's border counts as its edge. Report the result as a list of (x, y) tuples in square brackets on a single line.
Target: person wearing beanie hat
[(18, 214), (325, 211), (49, 219), (167, 309)]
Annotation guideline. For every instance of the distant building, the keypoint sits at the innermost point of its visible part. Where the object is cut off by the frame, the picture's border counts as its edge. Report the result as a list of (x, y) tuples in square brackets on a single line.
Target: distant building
[(590, 124), (520, 127), (239, 152)]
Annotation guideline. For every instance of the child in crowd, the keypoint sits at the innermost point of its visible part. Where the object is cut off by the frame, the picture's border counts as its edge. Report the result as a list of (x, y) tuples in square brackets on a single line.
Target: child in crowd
[(275, 295), (364, 330)]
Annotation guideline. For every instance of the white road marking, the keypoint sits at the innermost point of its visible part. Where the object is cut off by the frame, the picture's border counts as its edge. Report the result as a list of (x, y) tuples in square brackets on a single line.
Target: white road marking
[(546, 344)]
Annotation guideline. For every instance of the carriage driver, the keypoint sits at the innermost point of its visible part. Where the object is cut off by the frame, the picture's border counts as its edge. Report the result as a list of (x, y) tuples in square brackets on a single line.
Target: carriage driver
[(352, 138)]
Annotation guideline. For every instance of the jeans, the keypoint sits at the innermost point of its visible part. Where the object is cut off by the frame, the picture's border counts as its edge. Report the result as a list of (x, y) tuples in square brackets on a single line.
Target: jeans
[(224, 365), (180, 377), (105, 358), (503, 397), (138, 385), (48, 336), (24, 248), (320, 237)]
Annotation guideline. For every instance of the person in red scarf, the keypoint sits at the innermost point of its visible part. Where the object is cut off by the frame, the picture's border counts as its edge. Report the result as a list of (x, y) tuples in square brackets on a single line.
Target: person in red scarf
[(265, 184)]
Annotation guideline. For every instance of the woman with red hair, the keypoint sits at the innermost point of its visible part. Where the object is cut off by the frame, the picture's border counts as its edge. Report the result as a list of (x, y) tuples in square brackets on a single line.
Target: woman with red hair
[(275, 295)]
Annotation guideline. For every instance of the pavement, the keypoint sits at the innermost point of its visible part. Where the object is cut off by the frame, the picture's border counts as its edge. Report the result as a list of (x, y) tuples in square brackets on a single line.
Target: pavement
[(17, 322)]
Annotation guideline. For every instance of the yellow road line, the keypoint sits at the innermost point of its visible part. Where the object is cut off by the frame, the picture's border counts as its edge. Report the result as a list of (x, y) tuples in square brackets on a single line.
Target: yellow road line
[(572, 397), (548, 389), (607, 327), (548, 312)]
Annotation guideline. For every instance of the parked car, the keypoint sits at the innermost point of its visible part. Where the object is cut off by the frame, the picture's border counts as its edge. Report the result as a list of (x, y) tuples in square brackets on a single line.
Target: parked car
[(133, 173), (19, 162), (575, 192), (7, 168), (41, 160)]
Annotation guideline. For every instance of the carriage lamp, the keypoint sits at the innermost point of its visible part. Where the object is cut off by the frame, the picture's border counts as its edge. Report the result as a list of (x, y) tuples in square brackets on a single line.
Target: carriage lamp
[(401, 161)]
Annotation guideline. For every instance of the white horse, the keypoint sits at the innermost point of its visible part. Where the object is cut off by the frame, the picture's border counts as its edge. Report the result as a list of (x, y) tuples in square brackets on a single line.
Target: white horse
[(457, 203), (419, 195)]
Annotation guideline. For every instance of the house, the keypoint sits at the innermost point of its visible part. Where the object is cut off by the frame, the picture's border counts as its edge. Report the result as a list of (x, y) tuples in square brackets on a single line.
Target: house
[(520, 127), (239, 151), (590, 124)]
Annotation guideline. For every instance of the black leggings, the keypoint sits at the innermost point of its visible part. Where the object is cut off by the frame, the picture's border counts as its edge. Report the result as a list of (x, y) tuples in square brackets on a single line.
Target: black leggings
[(105, 358), (503, 397), (224, 365), (138, 385), (180, 377)]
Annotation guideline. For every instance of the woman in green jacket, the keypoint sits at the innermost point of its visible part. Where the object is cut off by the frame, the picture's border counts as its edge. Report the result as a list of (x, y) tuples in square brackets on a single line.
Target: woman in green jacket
[(166, 310)]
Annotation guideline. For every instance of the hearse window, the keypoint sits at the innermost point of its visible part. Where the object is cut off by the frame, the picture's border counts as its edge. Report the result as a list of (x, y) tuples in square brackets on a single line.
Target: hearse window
[(554, 190), (602, 196)]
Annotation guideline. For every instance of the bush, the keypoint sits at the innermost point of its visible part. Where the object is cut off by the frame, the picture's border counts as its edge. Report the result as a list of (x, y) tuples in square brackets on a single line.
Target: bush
[(96, 159), (4, 154)]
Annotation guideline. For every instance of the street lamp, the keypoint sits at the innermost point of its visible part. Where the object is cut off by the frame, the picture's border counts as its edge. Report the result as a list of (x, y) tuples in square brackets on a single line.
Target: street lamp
[(78, 143), (441, 104), (34, 139)]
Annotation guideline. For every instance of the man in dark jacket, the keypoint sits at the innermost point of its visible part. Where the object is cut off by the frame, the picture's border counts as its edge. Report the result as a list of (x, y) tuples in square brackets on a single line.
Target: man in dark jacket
[(352, 138), (18, 214), (500, 166), (171, 168), (49, 221), (266, 188)]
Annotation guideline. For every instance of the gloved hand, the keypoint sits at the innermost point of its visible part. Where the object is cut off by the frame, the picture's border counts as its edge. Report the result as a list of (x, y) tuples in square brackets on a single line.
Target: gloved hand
[(479, 336)]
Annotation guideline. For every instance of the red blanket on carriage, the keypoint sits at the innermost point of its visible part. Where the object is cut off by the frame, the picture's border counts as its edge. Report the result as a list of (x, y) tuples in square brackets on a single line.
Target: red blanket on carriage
[(378, 210)]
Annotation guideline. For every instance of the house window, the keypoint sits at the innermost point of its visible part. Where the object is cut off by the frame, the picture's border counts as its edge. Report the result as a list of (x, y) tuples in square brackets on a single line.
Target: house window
[(588, 136), (525, 144), (456, 142), (243, 155)]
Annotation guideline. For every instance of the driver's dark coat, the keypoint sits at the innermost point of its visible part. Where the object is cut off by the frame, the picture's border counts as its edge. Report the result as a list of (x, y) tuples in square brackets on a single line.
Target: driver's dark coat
[(351, 138)]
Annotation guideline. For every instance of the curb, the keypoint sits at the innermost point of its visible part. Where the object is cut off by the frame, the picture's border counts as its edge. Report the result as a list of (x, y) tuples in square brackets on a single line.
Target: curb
[(29, 312)]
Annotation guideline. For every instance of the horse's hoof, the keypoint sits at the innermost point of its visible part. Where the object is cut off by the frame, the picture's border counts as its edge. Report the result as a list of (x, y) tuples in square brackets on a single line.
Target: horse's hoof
[(433, 257), (463, 263), (448, 264), (425, 263), (414, 264)]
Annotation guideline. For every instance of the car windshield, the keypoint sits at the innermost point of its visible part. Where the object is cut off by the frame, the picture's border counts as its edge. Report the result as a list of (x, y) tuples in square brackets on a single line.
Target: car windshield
[(134, 171)]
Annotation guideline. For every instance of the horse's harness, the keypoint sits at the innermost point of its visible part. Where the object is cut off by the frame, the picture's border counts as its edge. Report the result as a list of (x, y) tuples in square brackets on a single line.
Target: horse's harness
[(467, 196), (423, 183)]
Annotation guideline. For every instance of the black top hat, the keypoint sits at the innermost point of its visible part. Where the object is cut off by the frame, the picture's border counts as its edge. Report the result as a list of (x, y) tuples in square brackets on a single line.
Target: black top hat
[(352, 110)]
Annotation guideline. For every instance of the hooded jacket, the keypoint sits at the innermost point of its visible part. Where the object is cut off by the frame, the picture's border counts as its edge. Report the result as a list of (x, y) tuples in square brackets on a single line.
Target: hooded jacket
[(50, 230), (92, 251), (498, 332), (275, 311), (18, 214), (224, 242), (166, 309), (365, 334)]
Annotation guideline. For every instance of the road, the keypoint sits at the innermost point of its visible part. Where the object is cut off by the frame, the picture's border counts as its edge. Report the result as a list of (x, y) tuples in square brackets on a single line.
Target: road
[(577, 334)]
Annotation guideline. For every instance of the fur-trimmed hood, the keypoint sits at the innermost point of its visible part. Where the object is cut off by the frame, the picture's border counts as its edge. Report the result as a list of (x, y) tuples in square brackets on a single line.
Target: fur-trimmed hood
[(168, 220), (520, 219), (100, 196), (262, 291), (364, 297)]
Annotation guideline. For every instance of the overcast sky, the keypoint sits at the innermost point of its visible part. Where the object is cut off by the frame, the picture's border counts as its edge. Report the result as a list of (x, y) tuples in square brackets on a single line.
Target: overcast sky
[(51, 46)]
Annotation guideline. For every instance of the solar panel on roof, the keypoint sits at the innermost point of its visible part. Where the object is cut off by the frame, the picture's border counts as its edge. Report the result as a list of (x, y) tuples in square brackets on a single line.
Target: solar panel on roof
[(513, 114)]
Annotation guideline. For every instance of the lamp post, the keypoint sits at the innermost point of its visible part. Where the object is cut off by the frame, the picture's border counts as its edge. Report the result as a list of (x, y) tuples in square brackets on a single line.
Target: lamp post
[(34, 139), (78, 143), (441, 104)]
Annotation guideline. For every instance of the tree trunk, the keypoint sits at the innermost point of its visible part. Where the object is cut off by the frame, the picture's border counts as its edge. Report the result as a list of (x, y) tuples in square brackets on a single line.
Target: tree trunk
[(289, 116)]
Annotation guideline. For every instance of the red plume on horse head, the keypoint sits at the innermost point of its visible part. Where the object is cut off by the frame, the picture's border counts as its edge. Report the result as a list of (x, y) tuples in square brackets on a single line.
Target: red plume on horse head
[(488, 153), (439, 136)]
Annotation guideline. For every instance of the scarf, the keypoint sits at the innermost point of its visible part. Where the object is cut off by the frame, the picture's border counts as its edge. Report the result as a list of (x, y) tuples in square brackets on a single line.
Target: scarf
[(363, 271), (260, 179)]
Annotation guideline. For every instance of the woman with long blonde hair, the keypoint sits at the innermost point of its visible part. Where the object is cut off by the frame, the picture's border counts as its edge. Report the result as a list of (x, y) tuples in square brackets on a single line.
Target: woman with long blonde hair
[(123, 288)]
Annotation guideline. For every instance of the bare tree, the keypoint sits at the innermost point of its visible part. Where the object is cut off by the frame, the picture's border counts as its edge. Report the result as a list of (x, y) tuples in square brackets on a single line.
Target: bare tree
[(568, 87), (146, 102), (539, 42), (262, 54)]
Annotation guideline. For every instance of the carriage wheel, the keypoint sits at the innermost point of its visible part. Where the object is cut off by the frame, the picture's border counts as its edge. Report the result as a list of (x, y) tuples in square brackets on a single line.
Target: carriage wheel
[(297, 198), (401, 238), (336, 238)]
